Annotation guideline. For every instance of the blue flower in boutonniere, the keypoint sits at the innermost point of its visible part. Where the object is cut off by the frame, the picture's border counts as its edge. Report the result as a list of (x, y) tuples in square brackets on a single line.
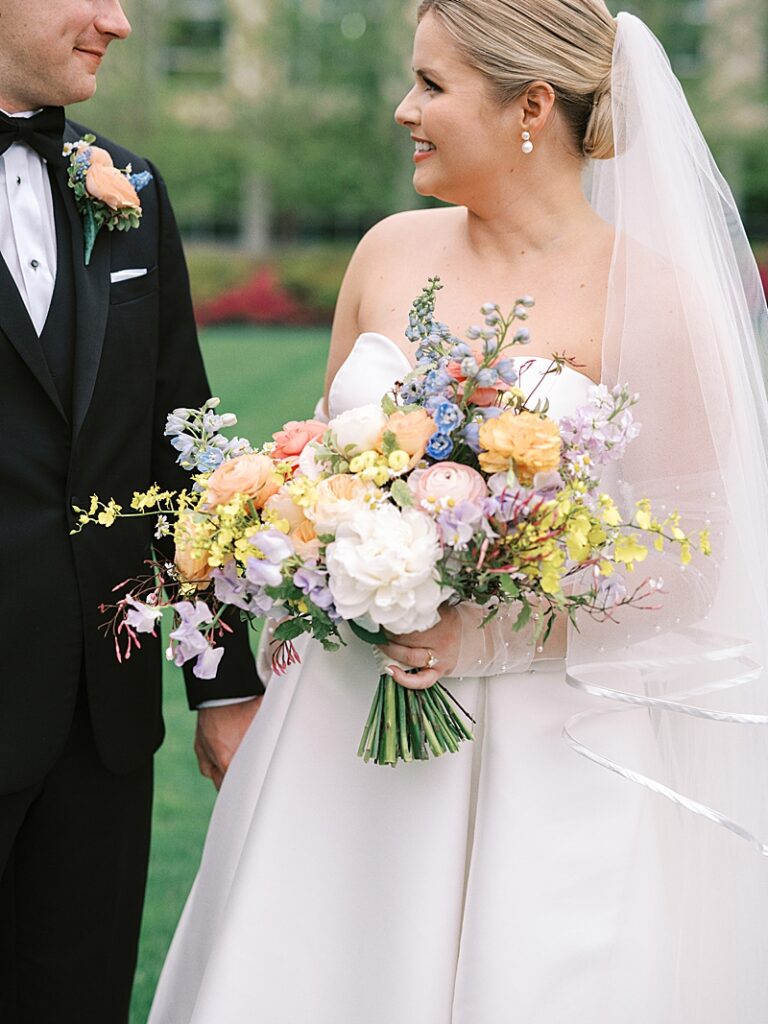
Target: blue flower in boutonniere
[(105, 195)]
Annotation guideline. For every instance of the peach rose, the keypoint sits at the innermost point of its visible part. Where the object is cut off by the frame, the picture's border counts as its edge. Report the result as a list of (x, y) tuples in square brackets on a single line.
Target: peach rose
[(293, 438), (194, 568), (105, 182), (284, 507), (412, 430), (253, 475), (447, 480), (525, 442), (305, 540), (96, 155), (337, 499)]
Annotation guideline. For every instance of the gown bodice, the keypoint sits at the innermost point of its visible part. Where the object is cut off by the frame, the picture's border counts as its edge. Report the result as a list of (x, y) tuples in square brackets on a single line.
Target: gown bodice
[(376, 362)]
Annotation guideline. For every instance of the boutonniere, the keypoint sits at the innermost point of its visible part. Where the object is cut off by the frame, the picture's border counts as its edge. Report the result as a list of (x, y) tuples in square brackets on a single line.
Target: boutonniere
[(105, 195)]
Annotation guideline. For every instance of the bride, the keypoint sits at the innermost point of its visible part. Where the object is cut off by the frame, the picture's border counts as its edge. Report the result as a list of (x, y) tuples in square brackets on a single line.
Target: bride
[(516, 881)]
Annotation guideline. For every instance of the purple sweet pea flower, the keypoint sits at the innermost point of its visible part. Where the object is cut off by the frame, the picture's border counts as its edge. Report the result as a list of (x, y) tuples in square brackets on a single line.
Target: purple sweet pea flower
[(261, 573), (142, 617), (207, 664), (314, 584), (459, 524), (229, 587), (193, 614), (273, 544), (189, 644)]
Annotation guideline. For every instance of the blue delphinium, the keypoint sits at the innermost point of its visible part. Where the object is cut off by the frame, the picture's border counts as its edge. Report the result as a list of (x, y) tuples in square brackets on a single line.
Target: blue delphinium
[(439, 447), (447, 417), (194, 434)]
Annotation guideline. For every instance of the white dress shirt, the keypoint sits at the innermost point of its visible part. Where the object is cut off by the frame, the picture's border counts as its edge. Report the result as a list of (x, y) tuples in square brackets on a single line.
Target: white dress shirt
[(27, 227)]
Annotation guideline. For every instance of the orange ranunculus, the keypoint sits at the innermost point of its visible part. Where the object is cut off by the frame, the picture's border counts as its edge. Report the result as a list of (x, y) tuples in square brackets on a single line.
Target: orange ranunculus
[(412, 430), (253, 475), (194, 568), (525, 442), (305, 540), (105, 182), (292, 439)]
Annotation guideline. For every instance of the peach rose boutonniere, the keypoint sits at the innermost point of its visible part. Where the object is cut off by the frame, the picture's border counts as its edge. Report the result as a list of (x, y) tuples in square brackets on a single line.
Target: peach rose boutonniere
[(105, 195)]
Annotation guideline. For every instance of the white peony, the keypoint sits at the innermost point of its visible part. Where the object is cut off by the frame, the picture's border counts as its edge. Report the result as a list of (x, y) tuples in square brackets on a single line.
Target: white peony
[(382, 565), (359, 428)]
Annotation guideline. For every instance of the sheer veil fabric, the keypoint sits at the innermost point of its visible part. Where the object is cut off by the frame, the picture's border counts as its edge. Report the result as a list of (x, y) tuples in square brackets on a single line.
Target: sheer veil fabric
[(686, 327)]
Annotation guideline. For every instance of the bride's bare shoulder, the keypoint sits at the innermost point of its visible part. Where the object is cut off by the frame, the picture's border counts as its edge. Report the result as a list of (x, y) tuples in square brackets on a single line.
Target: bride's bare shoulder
[(410, 227)]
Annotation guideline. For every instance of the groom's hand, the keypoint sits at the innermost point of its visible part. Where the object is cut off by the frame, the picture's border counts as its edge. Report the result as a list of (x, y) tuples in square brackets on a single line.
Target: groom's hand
[(218, 735)]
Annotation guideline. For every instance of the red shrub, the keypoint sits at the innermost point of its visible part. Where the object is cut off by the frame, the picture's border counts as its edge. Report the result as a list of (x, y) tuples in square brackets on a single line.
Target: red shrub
[(261, 300), (764, 278)]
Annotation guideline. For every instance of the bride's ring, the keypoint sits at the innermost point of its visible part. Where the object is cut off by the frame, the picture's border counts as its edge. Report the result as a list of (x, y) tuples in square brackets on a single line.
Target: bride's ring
[(432, 659)]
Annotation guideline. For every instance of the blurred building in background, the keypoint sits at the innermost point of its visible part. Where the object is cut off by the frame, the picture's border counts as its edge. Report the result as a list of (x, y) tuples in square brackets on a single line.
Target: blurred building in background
[(272, 119)]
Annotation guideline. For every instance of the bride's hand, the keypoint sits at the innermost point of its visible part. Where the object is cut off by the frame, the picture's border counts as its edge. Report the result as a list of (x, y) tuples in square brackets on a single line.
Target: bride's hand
[(433, 653)]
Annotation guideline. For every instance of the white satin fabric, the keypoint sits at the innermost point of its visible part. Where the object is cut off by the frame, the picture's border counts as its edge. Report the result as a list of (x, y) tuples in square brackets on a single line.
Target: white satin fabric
[(499, 885)]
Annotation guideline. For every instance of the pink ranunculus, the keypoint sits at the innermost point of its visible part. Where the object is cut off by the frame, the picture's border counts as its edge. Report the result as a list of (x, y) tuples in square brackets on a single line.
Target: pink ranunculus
[(447, 480), (294, 437), (105, 182)]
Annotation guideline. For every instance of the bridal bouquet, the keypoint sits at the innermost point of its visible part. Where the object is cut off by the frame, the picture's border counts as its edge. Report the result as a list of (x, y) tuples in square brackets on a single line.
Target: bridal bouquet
[(457, 486)]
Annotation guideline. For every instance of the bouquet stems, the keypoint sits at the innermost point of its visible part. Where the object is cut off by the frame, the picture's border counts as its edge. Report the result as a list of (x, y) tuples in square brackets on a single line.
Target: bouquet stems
[(408, 725)]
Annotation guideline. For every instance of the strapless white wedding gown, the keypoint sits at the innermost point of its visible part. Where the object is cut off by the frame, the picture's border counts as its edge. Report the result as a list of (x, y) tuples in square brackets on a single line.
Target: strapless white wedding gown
[(510, 883)]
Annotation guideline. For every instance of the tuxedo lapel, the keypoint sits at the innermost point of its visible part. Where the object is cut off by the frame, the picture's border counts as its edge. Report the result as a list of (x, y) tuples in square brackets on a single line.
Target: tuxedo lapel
[(92, 298), (19, 329)]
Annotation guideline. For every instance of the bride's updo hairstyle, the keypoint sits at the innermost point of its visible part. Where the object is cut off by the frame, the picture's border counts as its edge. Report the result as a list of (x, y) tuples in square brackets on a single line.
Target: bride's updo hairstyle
[(567, 43)]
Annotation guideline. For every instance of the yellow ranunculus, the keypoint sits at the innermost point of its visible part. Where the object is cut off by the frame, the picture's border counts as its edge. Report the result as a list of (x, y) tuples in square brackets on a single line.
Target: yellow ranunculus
[(525, 442), (399, 460)]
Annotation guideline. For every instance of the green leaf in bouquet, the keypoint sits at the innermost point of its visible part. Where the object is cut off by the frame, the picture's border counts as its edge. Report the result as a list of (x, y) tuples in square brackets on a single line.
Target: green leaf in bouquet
[(509, 586), (489, 617), (368, 637), (402, 494), (523, 618), (388, 405), (291, 628), (388, 442)]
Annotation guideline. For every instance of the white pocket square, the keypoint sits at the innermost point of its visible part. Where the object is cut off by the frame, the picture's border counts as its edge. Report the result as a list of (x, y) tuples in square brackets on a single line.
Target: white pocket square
[(126, 275)]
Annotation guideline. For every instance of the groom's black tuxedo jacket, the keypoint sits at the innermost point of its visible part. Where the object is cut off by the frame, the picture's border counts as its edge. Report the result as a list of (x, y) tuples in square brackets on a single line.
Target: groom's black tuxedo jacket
[(97, 431)]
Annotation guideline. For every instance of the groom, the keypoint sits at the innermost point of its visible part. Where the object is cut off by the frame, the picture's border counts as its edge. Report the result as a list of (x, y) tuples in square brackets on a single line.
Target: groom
[(91, 360)]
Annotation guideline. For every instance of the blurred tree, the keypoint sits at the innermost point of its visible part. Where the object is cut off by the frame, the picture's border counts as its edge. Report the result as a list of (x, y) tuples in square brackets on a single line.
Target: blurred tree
[(273, 118)]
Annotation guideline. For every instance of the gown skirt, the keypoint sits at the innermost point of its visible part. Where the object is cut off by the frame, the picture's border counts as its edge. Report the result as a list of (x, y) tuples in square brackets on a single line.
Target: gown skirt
[(509, 882)]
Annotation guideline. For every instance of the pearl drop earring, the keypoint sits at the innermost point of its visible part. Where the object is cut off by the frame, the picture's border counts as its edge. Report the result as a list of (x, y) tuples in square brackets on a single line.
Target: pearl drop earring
[(527, 146)]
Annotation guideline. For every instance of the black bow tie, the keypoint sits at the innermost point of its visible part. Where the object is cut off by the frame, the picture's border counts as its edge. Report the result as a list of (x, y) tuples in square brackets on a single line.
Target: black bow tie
[(44, 132)]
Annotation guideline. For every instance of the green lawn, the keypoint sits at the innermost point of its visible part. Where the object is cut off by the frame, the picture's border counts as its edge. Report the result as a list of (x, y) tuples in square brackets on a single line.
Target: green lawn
[(266, 376)]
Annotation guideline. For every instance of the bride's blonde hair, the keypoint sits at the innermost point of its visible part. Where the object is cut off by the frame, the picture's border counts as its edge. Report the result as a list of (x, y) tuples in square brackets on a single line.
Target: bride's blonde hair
[(567, 43)]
